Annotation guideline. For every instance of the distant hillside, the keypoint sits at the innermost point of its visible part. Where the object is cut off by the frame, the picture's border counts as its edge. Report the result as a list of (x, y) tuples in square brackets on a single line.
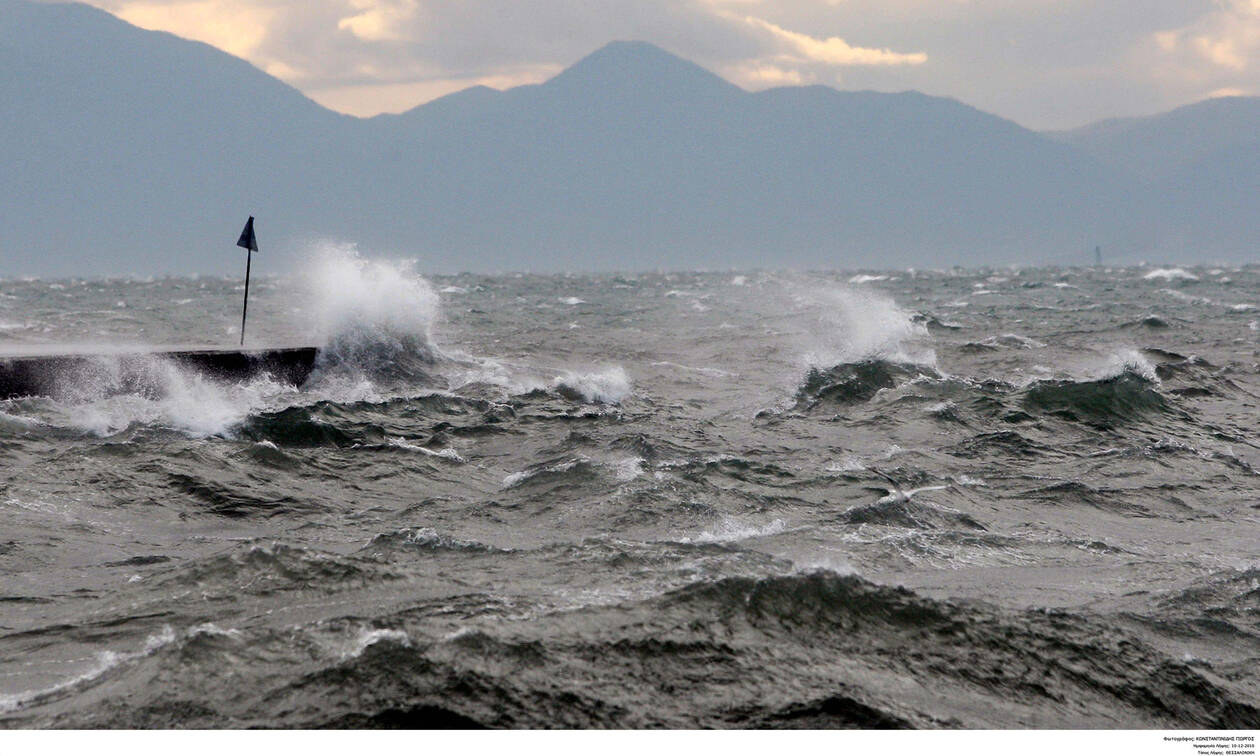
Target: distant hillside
[(635, 158), (1158, 146), (134, 149), (1201, 169), (137, 151)]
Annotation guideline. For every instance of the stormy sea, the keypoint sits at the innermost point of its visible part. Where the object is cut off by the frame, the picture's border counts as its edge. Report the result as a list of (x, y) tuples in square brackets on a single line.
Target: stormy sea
[(1010, 498)]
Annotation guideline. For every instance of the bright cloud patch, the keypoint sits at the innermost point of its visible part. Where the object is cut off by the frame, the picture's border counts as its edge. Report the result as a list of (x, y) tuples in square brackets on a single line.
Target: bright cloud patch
[(757, 75), (379, 21), (1228, 38), (834, 50)]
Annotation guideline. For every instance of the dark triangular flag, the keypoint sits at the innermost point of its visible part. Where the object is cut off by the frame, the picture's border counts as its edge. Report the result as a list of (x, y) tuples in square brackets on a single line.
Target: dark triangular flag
[(247, 239)]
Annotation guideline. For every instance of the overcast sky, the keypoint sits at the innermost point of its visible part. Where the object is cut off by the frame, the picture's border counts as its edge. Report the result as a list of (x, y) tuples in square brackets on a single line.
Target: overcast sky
[(1043, 63)]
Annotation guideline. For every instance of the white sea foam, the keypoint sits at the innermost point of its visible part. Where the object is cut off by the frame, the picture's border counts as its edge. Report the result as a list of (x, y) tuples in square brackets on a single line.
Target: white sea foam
[(402, 443), (610, 385), (623, 470), (171, 396), (702, 370), (1014, 340), (514, 381), (212, 630), (368, 638), (846, 464), (1170, 274), (1184, 297), (364, 310), (730, 529), (838, 565), (517, 478), (626, 470), (17, 422)]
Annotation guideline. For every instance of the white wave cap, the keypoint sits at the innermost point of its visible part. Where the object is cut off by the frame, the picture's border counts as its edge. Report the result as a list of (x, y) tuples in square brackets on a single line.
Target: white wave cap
[(1127, 361), (732, 529), (1170, 274), (610, 385)]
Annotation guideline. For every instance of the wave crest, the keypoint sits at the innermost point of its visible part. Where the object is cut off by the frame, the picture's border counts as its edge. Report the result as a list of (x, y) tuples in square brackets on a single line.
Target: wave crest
[(1126, 396), (850, 383), (375, 316), (608, 386)]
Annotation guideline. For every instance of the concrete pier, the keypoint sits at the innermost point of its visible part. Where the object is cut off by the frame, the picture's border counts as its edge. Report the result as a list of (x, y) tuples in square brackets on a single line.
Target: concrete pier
[(136, 370)]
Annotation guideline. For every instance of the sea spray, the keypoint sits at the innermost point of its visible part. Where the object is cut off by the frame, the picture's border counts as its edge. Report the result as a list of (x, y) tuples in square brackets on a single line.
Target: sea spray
[(1122, 361), (373, 319), (122, 391), (854, 342), (848, 325), (373, 316)]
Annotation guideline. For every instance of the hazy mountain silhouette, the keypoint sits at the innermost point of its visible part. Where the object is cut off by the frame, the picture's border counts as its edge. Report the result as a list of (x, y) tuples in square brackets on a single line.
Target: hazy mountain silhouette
[(137, 151), (1158, 146), (132, 151), (1201, 170)]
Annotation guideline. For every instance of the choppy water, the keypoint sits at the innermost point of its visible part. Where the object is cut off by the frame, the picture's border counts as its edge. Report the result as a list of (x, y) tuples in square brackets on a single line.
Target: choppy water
[(644, 501)]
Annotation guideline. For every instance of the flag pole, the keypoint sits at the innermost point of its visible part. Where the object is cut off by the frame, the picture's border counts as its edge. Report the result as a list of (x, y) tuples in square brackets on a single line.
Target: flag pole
[(249, 258), (250, 243)]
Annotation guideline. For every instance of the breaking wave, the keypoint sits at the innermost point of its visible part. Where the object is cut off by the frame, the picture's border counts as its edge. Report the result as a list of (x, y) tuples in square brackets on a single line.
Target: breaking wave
[(855, 325), (1170, 274), (1126, 390), (859, 343), (849, 383), (111, 394), (608, 386), (373, 316)]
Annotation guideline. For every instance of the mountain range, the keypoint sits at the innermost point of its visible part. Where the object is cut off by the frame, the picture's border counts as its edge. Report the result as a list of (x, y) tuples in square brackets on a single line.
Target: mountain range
[(127, 151)]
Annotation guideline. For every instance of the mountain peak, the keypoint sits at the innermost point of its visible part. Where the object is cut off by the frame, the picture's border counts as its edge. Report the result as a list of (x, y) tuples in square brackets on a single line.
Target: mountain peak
[(637, 65)]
